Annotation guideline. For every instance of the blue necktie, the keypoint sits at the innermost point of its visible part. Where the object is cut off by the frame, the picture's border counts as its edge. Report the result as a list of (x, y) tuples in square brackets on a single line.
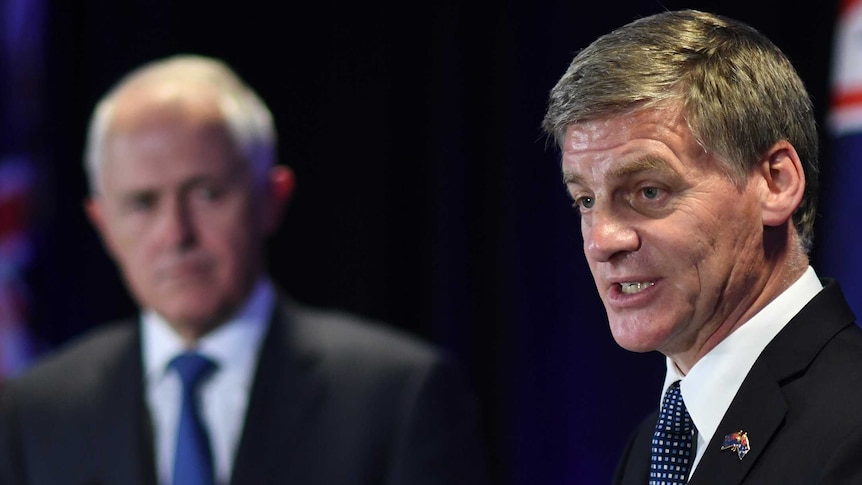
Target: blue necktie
[(672, 449), (193, 464)]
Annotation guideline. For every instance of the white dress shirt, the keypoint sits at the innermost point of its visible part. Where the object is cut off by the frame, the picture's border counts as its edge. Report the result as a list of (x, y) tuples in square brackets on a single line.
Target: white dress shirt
[(234, 348), (713, 381)]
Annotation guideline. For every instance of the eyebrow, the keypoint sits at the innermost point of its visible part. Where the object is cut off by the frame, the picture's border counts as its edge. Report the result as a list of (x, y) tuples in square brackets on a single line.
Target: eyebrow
[(570, 177), (639, 165)]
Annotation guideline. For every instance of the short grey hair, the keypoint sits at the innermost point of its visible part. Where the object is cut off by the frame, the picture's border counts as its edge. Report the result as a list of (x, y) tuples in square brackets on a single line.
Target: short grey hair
[(737, 90), (246, 116)]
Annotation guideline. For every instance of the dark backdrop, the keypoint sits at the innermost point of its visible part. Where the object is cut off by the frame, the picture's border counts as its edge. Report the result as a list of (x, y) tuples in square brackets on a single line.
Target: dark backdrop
[(427, 196)]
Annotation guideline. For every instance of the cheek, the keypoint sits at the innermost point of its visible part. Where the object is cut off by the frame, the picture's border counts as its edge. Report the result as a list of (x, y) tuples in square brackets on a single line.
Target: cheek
[(736, 234), (232, 240), (127, 243), (726, 249)]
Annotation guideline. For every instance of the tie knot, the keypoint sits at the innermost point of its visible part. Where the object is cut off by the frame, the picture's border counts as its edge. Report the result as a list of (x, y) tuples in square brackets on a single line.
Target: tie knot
[(673, 392), (192, 368)]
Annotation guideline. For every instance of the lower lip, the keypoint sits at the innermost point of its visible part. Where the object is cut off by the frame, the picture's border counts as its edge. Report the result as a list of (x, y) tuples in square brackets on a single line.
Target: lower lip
[(185, 272)]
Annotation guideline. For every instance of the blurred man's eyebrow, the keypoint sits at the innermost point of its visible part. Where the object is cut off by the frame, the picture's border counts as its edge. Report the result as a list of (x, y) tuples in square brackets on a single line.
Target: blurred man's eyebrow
[(132, 192)]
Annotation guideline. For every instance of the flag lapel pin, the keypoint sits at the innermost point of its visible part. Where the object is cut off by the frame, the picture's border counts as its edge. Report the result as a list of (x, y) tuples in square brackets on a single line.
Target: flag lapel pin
[(737, 442)]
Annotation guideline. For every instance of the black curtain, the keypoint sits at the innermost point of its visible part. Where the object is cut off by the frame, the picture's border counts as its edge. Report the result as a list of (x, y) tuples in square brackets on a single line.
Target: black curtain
[(427, 196)]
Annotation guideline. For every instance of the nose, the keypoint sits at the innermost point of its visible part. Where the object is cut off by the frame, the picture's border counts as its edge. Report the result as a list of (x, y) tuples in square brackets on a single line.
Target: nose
[(607, 235), (178, 229)]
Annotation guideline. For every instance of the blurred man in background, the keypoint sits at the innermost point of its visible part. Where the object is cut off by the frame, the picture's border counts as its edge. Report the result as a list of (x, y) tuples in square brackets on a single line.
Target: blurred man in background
[(222, 378)]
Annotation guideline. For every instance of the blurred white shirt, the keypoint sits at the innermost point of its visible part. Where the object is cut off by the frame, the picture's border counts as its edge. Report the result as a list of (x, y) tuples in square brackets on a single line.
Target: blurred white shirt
[(234, 347)]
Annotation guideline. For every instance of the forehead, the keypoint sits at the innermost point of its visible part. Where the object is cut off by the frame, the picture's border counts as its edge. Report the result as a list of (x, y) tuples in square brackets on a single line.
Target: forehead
[(162, 140), (146, 105), (654, 138)]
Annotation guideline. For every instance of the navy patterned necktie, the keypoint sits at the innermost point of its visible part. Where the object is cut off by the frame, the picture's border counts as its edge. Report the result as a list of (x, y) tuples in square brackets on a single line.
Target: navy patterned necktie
[(193, 464), (672, 442)]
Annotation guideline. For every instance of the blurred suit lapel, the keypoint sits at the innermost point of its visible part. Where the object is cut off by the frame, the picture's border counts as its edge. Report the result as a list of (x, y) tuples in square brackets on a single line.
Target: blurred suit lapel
[(285, 391), (124, 449)]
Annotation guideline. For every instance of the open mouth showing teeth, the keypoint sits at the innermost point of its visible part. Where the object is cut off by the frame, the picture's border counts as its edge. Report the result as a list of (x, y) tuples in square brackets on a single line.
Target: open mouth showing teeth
[(632, 288)]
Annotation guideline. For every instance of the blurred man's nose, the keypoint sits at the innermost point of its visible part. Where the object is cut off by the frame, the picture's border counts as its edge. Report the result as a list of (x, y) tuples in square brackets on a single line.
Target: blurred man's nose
[(177, 224)]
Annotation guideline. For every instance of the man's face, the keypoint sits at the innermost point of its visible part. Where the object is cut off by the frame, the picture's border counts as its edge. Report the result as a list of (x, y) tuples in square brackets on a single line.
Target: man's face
[(179, 214), (673, 245)]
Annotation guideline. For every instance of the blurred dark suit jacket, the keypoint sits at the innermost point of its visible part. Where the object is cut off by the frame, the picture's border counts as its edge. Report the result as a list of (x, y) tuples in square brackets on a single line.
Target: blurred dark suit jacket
[(801, 405), (335, 401)]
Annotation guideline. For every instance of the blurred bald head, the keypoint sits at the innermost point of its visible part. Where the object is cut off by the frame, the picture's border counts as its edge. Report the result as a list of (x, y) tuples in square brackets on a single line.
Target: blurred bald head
[(184, 83)]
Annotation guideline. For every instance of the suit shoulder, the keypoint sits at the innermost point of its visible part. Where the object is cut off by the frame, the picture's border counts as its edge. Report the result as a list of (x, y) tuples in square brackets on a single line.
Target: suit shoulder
[(350, 336), (841, 359), (79, 357)]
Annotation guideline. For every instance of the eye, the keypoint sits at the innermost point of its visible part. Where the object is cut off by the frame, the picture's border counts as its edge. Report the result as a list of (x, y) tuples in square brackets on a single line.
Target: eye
[(209, 193), (585, 202), (141, 202), (651, 192), (649, 197)]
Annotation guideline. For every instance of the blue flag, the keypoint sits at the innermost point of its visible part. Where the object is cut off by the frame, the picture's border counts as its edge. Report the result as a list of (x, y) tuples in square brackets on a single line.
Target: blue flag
[(16, 253), (21, 57), (839, 228)]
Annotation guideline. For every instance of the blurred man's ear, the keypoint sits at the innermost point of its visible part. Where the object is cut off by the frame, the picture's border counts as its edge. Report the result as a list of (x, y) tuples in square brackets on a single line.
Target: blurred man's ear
[(95, 213), (281, 183)]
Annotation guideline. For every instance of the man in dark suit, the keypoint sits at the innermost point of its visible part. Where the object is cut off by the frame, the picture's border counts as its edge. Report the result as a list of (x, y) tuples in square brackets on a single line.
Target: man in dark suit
[(689, 147), (184, 191)]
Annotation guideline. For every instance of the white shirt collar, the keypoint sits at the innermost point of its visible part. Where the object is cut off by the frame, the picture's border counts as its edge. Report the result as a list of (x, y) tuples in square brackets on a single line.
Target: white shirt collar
[(713, 381), (233, 345)]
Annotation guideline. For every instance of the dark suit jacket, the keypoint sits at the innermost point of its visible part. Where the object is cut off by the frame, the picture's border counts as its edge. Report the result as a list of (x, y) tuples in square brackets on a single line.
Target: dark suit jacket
[(801, 405), (334, 401)]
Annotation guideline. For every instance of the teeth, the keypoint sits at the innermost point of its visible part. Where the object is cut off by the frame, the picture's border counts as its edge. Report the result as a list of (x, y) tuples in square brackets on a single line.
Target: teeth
[(632, 288)]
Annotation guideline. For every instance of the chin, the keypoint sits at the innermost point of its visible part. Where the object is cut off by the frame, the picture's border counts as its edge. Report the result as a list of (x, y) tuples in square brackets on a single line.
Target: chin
[(634, 341), (200, 315), (638, 347)]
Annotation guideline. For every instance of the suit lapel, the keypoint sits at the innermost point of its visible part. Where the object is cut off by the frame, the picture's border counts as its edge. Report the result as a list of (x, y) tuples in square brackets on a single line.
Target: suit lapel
[(124, 448), (634, 465), (284, 391), (759, 407)]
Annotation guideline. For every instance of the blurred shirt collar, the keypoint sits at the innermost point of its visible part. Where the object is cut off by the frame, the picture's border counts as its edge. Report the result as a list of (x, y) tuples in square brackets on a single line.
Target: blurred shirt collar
[(233, 345)]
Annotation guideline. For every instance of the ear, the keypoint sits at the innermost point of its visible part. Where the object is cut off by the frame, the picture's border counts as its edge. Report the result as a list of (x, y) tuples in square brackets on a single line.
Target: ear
[(280, 184), (96, 214), (93, 209), (783, 183)]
